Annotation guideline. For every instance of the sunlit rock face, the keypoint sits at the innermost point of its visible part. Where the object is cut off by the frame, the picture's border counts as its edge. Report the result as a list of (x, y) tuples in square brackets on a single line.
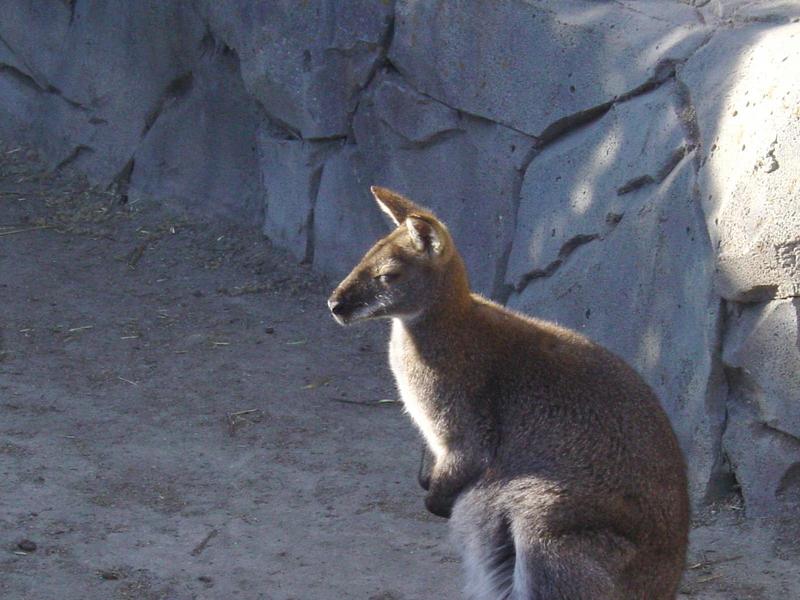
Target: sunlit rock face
[(535, 66), (627, 169), (744, 93)]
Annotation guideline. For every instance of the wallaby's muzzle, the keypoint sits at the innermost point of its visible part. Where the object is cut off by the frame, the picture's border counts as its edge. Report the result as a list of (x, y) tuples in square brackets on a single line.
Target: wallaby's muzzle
[(342, 307), (338, 309)]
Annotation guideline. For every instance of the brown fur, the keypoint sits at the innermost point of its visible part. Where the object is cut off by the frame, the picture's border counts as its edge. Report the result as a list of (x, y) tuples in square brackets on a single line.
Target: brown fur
[(560, 469)]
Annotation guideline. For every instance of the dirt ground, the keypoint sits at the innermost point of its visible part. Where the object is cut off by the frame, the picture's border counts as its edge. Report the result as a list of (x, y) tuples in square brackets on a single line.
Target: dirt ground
[(180, 418)]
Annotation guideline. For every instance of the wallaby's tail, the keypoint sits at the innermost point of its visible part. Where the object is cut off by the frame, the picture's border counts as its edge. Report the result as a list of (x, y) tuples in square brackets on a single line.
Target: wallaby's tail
[(499, 567), (490, 564), (563, 573), (503, 558), (487, 548)]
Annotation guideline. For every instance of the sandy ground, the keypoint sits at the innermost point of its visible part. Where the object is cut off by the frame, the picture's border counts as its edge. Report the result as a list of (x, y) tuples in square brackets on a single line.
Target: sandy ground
[(180, 418)]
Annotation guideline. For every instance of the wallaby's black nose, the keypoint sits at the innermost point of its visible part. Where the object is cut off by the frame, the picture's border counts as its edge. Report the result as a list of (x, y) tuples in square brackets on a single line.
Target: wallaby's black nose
[(340, 309), (337, 307)]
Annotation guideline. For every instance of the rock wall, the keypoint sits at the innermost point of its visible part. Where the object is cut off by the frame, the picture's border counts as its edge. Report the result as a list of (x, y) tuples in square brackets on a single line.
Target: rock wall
[(630, 169)]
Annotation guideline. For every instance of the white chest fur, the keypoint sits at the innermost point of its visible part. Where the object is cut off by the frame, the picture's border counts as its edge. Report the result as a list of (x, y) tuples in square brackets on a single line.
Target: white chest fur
[(412, 387)]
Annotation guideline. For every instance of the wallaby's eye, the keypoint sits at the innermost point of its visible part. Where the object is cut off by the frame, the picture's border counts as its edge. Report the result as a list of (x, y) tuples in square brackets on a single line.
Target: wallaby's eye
[(388, 277)]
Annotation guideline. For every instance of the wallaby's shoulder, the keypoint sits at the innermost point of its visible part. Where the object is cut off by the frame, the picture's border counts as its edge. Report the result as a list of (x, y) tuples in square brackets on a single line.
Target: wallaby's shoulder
[(513, 329), (526, 347)]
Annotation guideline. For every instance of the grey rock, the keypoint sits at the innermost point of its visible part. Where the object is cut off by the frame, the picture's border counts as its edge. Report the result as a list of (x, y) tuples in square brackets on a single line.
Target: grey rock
[(304, 61), (747, 11), (644, 291), (467, 170), (30, 105), (10, 62), (102, 88), (766, 462), (580, 187), (762, 342), (20, 104), (751, 157), (555, 61), (291, 171), (39, 55), (27, 545), (415, 118), (346, 219), (201, 147)]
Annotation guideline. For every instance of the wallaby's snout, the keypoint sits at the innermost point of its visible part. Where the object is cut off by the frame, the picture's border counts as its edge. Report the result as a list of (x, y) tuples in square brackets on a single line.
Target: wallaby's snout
[(336, 306), (342, 305), (357, 297)]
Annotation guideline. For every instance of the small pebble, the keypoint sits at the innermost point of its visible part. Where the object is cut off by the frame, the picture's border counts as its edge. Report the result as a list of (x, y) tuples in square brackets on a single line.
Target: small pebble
[(26, 545), (110, 575)]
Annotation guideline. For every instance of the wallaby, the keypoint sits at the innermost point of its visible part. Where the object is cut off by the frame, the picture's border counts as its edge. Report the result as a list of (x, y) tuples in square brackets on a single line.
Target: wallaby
[(554, 459)]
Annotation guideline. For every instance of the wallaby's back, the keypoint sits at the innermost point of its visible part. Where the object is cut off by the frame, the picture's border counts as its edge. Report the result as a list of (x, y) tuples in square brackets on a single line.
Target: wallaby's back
[(587, 468)]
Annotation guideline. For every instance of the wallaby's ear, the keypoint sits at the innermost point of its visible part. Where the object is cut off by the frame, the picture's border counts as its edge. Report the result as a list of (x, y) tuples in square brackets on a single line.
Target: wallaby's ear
[(393, 204), (425, 235)]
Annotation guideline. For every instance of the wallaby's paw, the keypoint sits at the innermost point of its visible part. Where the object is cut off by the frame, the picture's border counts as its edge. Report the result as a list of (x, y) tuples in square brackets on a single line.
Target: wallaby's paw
[(441, 507), (425, 469), (424, 481)]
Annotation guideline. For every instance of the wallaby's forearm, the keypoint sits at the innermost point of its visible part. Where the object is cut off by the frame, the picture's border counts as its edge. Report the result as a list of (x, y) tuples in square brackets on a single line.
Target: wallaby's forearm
[(425, 468), (451, 474)]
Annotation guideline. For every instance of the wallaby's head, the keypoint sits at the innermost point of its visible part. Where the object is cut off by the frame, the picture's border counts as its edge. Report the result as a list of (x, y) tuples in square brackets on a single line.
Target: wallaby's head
[(411, 270)]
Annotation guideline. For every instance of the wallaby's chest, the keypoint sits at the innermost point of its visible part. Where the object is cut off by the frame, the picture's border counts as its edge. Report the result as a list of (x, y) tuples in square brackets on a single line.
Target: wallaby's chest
[(420, 389)]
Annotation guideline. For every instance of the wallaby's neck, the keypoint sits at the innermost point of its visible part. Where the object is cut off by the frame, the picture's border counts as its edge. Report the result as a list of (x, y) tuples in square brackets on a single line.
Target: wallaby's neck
[(441, 325)]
